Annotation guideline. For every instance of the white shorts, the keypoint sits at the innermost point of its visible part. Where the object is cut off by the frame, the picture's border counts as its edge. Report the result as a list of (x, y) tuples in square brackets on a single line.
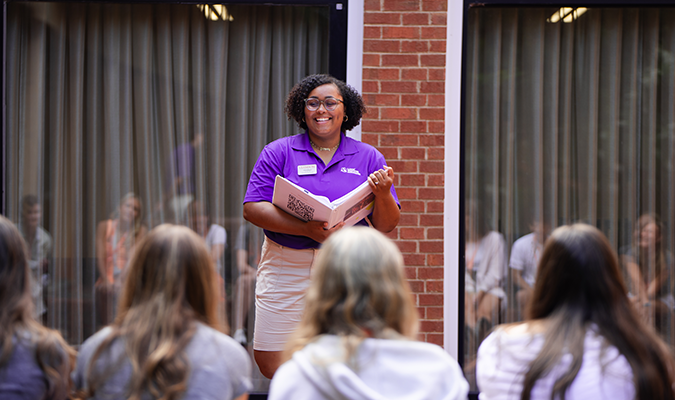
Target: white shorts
[(281, 282)]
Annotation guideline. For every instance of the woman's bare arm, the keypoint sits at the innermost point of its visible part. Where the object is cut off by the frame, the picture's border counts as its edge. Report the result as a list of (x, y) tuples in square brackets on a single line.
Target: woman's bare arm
[(101, 250), (268, 216), (637, 285), (386, 213)]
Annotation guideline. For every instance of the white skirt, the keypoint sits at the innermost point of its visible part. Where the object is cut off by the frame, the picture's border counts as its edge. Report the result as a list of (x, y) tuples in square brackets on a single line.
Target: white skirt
[(281, 282)]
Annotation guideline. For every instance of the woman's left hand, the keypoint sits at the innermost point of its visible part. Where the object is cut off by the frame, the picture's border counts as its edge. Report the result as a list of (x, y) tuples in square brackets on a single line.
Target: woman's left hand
[(381, 180)]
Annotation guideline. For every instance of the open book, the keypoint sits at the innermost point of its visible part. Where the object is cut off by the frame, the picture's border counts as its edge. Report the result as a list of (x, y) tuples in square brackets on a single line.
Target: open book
[(307, 206)]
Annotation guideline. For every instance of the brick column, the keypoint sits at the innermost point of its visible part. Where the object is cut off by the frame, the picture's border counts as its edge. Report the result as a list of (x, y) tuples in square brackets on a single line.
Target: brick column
[(403, 86)]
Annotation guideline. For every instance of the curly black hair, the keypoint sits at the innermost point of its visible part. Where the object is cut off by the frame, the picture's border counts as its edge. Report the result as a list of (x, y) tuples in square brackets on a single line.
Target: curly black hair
[(353, 103)]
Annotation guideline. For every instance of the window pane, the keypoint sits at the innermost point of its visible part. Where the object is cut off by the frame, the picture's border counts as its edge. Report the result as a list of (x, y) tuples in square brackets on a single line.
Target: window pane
[(567, 121), (121, 117)]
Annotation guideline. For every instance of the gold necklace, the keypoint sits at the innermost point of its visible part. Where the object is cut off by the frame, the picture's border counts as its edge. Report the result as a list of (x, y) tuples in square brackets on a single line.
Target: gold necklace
[(323, 148)]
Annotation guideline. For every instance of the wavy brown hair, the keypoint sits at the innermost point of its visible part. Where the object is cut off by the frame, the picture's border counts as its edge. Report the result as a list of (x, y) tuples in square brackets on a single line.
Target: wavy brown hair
[(52, 353), (170, 286), (358, 290), (579, 284)]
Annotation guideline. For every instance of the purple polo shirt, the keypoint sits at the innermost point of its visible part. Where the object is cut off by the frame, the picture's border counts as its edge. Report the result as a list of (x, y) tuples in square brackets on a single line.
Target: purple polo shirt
[(352, 162)]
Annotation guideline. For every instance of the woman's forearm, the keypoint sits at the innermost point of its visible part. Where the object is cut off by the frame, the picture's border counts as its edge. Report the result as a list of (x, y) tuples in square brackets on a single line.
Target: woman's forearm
[(386, 213), (638, 286), (267, 216)]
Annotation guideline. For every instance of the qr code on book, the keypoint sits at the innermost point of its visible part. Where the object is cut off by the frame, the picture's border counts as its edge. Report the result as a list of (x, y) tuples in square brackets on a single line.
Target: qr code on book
[(303, 211)]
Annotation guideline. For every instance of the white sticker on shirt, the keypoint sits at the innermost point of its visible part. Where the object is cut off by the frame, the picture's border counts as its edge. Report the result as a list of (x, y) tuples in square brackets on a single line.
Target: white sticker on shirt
[(307, 169)]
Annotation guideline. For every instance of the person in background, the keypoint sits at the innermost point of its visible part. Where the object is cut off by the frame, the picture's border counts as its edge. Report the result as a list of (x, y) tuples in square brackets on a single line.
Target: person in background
[(485, 256), (582, 338), (215, 238), (357, 336), (181, 178), (649, 269), (525, 256), (116, 239), (39, 243), (167, 341), (35, 362), (247, 248), (325, 161)]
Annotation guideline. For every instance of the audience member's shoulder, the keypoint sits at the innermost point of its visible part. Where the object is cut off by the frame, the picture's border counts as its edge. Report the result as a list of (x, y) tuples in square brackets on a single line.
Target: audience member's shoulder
[(93, 341), (23, 342), (207, 337), (425, 347), (513, 343), (516, 335), (85, 354), (212, 354), (217, 230), (524, 241), (448, 373), (493, 239), (522, 329), (422, 351)]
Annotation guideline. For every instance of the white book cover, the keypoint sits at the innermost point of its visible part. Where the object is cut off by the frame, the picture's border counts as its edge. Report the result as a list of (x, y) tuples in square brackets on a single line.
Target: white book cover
[(303, 204)]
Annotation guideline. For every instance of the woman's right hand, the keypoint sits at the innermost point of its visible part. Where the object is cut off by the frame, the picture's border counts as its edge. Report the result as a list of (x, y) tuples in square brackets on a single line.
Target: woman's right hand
[(317, 230)]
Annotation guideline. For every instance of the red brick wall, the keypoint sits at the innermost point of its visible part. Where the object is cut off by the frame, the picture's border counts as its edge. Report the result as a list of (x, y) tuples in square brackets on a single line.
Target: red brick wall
[(403, 86)]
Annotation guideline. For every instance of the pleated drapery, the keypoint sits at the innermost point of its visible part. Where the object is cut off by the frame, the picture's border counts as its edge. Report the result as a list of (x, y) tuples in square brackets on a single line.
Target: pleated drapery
[(567, 122), (99, 96)]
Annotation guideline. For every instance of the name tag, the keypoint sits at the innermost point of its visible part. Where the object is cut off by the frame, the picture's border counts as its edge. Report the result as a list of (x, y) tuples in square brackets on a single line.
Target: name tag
[(307, 169)]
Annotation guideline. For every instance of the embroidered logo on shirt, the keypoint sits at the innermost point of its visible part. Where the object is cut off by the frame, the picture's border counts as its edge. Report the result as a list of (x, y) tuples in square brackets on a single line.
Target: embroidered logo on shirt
[(350, 171)]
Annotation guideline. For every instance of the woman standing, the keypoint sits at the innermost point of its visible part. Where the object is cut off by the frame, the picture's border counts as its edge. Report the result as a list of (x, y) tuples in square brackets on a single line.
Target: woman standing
[(582, 338), (326, 162), (167, 341), (357, 336), (35, 362)]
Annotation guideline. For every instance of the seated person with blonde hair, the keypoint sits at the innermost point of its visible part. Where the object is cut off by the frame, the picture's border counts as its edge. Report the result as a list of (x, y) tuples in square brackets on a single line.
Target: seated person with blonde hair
[(357, 336)]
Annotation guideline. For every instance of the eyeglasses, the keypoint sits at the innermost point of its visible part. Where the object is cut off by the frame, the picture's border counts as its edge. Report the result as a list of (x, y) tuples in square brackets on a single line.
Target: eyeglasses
[(329, 103)]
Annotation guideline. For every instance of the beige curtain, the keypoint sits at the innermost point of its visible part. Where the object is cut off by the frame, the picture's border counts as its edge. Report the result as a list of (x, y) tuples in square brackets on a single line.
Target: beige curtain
[(100, 95), (569, 122)]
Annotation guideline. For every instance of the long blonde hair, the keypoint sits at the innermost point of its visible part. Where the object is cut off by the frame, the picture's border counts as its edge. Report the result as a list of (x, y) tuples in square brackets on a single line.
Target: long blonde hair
[(53, 354), (170, 286), (358, 291)]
